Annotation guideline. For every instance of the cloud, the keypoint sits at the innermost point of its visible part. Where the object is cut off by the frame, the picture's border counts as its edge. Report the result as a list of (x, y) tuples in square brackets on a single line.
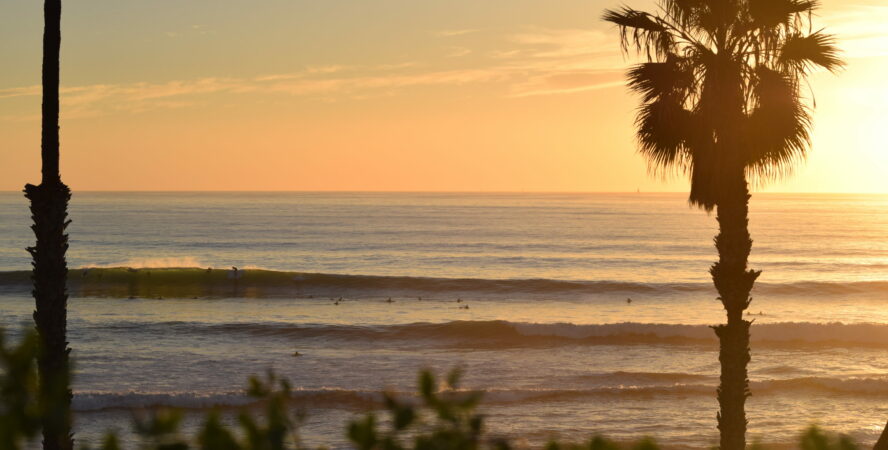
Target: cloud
[(567, 43), (456, 52), (860, 29), (452, 33), (193, 30), (340, 82), (521, 62), (528, 62), (19, 92), (569, 83), (562, 61)]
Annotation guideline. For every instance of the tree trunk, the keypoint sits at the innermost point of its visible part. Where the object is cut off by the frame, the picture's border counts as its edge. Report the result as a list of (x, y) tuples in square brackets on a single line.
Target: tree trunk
[(49, 210), (882, 443), (734, 283)]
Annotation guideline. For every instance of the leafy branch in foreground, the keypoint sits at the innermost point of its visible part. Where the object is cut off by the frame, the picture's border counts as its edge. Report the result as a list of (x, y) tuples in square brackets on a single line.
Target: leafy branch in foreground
[(275, 429), (446, 420), (19, 406)]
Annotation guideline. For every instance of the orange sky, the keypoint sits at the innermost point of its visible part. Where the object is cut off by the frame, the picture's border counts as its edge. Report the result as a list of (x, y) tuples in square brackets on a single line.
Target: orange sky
[(502, 95)]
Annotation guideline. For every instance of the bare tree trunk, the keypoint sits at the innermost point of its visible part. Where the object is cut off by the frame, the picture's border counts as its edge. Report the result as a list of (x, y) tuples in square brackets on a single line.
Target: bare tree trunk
[(49, 210), (882, 443), (734, 283)]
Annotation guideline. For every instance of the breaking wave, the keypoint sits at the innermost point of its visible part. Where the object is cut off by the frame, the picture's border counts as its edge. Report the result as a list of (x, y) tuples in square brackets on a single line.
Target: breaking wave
[(366, 399), (147, 280), (504, 334)]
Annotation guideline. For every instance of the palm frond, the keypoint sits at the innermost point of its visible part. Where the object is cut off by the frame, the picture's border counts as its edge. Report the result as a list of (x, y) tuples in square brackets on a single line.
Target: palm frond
[(663, 126), (661, 79), (723, 13), (685, 12), (778, 127), (773, 13), (642, 31), (802, 52), (702, 195)]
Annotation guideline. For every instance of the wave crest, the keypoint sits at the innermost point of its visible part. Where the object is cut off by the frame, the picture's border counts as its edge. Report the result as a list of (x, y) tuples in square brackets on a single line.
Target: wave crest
[(503, 334), (146, 279), (366, 399)]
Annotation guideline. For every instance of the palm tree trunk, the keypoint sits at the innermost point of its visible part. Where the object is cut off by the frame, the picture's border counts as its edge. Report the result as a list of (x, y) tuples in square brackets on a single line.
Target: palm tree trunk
[(49, 210), (882, 443), (734, 283)]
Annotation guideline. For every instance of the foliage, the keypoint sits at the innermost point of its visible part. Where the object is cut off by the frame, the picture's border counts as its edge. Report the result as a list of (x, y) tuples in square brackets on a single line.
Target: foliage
[(446, 420), (815, 439), (276, 429), (19, 406)]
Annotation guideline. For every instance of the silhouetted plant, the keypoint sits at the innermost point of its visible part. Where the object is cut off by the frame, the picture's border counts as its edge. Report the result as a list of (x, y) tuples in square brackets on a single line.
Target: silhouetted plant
[(815, 439), (276, 430), (19, 406), (600, 443), (49, 210), (721, 103), (445, 420)]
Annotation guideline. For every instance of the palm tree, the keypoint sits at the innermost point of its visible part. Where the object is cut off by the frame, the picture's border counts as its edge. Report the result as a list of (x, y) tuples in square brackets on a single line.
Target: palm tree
[(49, 210), (722, 102)]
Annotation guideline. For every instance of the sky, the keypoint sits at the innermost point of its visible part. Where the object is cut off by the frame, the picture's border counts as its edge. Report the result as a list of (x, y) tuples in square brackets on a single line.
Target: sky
[(384, 95)]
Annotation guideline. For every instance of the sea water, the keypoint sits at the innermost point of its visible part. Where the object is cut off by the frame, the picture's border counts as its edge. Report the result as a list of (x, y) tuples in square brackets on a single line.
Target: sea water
[(527, 293)]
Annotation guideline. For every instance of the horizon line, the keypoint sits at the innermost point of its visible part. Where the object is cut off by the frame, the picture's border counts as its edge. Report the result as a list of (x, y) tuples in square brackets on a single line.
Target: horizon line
[(351, 191)]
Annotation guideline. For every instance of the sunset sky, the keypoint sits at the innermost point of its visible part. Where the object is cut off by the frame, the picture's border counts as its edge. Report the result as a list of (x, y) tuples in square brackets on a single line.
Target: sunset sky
[(459, 95)]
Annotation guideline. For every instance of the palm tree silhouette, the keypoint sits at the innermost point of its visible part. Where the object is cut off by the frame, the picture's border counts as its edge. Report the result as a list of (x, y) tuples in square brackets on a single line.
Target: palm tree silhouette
[(49, 210), (722, 103)]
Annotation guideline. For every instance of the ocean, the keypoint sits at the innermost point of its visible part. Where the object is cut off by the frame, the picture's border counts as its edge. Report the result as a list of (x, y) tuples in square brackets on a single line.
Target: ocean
[(527, 293)]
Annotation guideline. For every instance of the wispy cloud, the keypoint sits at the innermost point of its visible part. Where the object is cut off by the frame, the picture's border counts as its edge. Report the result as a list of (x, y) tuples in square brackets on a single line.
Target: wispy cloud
[(452, 33), (569, 83), (523, 62), (19, 92), (193, 30), (529, 62), (342, 82), (562, 61), (568, 43), (456, 52), (860, 29)]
